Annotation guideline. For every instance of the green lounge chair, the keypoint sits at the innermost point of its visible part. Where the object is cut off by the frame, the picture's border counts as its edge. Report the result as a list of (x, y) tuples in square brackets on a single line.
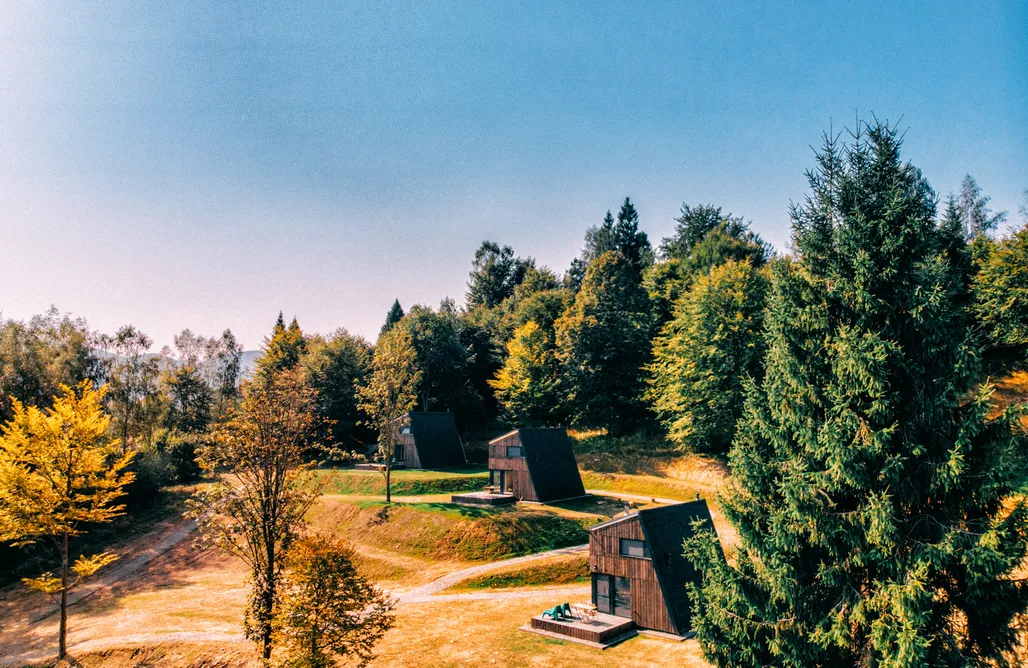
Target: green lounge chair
[(565, 610), (554, 612)]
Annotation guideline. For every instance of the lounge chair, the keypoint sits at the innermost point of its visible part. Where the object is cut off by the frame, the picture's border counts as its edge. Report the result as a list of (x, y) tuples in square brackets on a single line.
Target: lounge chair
[(554, 612), (566, 611)]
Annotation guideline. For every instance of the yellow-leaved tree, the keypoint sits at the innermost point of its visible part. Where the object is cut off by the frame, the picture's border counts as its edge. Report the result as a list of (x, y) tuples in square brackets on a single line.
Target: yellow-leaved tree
[(59, 471)]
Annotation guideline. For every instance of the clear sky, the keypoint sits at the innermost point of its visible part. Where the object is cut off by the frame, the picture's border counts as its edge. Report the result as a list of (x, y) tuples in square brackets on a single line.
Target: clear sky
[(206, 164)]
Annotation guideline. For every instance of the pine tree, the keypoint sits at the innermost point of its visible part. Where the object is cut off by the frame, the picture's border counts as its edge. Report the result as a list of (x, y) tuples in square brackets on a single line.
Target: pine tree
[(628, 240), (974, 210), (283, 350), (874, 498), (394, 316), (704, 354), (603, 341)]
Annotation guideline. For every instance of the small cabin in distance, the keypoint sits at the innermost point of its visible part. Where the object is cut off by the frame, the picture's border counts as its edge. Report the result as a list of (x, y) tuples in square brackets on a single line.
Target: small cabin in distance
[(638, 570), (429, 440), (535, 465)]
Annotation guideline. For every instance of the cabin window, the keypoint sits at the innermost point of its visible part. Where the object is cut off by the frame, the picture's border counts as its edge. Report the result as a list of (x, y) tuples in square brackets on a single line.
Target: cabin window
[(634, 548), (515, 451), (398, 454)]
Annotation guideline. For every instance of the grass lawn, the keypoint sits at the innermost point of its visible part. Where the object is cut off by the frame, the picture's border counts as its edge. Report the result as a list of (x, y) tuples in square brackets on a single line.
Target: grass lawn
[(444, 531), (485, 633), (404, 482), (565, 569)]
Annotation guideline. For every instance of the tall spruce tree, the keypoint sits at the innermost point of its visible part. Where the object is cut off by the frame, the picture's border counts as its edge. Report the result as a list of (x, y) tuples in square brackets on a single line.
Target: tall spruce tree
[(394, 316), (873, 495)]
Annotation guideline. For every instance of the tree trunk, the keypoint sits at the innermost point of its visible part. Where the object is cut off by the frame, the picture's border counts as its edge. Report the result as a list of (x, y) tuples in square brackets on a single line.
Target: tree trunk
[(62, 646), (269, 604), (389, 470)]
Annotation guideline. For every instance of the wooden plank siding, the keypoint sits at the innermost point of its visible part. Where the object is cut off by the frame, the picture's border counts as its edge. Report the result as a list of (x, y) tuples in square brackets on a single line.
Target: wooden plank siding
[(410, 452), (649, 609), (516, 468)]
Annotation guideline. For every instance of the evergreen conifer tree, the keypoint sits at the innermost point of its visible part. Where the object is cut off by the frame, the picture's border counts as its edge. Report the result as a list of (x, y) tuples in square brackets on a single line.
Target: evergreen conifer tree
[(873, 495), (283, 350), (394, 316)]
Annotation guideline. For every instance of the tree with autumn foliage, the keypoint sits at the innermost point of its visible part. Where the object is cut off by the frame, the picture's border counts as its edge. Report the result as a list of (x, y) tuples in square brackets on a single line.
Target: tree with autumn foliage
[(259, 461), (59, 473), (526, 386), (389, 393), (329, 613)]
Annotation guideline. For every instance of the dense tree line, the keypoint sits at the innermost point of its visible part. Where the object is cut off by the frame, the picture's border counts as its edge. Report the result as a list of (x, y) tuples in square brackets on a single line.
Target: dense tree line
[(847, 385)]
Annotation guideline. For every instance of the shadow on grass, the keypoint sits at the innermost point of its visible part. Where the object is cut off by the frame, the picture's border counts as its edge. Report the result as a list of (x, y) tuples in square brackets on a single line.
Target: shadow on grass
[(595, 505)]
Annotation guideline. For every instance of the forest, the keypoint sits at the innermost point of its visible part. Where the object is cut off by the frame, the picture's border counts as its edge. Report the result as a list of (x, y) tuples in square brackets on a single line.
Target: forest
[(847, 382)]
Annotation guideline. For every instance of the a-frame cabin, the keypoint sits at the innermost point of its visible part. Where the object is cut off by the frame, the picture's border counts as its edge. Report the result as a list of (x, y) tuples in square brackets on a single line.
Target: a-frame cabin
[(535, 465), (429, 440), (638, 571)]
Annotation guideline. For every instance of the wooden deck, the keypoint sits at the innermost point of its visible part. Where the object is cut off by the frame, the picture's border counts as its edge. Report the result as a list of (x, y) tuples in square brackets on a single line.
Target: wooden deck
[(483, 499), (603, 631)]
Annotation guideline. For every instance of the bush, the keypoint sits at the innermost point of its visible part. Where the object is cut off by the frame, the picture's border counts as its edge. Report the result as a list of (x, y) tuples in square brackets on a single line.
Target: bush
[(152, 472), (181, 456)]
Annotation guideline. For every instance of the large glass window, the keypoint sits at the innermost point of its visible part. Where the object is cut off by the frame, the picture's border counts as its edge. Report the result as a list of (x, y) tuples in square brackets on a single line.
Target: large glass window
[(634, 548), (515, 451)]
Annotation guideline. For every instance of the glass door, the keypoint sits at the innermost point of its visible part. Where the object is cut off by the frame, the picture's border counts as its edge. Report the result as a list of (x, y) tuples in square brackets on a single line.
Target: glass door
[(601, 593), (623, 597)]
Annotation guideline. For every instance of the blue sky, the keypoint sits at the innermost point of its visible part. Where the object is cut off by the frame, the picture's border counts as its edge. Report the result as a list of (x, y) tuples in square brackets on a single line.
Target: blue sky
[(204, 165)]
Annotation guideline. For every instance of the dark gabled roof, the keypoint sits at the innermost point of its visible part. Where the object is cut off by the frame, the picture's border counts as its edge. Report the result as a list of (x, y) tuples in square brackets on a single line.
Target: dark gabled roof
[(436, 438), (665, 529), (551, 464)]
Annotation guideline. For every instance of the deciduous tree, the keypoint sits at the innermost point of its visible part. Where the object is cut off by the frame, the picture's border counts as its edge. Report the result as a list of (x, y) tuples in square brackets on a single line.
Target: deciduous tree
[(329, 614), (389, 393), (334, 368), (133, 381), (527, 384), (704, 355), (603, 341), (59, 473), (261, 491)]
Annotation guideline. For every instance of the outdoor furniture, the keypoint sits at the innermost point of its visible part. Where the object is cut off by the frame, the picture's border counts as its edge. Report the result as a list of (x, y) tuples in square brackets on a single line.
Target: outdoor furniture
[(555, 612), (587, 611), (566, 610)]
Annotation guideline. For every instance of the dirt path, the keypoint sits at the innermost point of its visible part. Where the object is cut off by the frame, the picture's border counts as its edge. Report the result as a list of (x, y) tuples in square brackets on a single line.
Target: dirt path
[(122, 570), (425, 592)]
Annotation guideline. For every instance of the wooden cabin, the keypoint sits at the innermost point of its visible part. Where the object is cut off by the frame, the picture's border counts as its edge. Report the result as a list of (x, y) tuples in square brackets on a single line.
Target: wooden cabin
[(638, 571), (429, 440), (535, 465)]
